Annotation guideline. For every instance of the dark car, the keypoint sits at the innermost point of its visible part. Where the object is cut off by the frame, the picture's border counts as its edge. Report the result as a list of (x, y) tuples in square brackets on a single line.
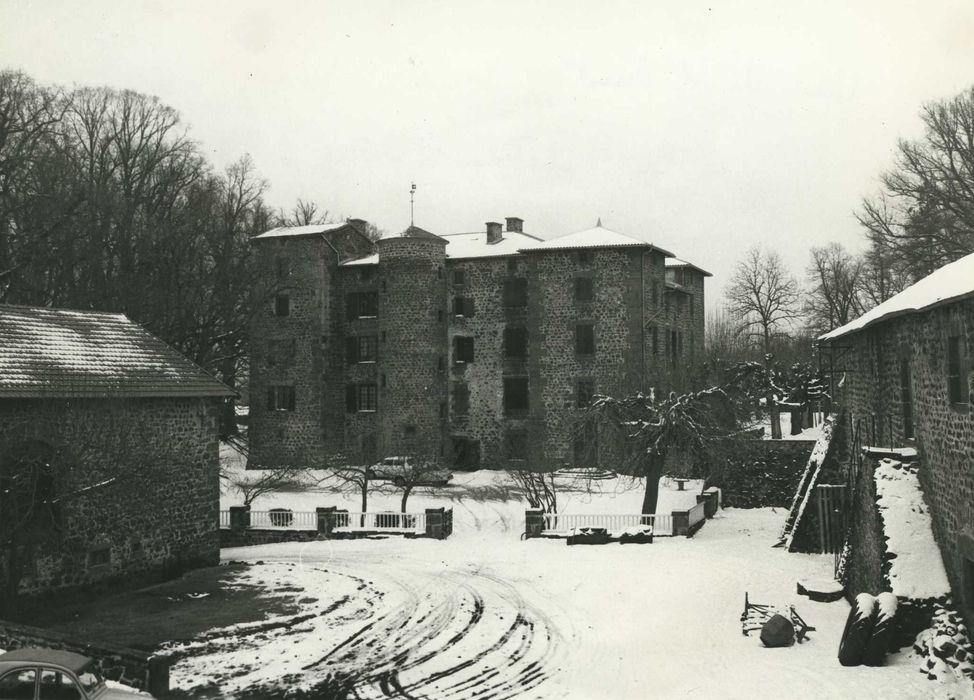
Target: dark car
[(51, 674)]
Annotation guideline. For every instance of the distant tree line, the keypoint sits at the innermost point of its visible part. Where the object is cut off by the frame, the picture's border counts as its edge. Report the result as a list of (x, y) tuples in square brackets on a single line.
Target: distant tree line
[(921, 219), (107, 203)]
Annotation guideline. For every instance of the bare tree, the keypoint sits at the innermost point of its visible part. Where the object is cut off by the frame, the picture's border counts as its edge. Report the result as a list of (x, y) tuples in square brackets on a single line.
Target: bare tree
[(763, 295), (835, 296), (539, 488), (303, 213), (416, 469), (253, 486)]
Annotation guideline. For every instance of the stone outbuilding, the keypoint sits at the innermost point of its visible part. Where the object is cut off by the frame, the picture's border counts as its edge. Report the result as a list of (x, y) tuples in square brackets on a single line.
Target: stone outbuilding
[(907, 383), (109, 456)]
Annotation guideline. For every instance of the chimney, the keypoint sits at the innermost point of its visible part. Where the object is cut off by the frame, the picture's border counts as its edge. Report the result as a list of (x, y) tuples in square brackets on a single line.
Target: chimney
[(515, 224), (494, 234)]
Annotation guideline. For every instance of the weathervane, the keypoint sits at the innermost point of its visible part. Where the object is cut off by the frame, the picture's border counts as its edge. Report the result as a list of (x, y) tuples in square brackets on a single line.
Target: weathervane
[(412, 191)]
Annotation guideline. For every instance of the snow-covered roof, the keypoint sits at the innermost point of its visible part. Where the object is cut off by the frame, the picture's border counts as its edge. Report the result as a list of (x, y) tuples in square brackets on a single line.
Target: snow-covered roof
[(677, 262), (367, 260), (59, 353), (596, 237), (952, 282), (282, 231), (475, 245)]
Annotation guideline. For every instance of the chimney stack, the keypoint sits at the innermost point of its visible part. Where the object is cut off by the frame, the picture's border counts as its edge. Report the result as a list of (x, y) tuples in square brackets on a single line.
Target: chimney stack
[(515, 224), (494, 234)]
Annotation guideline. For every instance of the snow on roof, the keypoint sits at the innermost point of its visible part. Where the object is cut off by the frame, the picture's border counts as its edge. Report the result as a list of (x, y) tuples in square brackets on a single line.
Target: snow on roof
[(677, 262), (475, 245), (952, 281), (367, 260), (917, 570), (59, 353), (596, 237), (282, 231)]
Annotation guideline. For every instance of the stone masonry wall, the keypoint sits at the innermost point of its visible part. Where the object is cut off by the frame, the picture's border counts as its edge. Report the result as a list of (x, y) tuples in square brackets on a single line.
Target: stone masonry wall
[(290, 351), (412, 416), (944, 433), (160, 514)]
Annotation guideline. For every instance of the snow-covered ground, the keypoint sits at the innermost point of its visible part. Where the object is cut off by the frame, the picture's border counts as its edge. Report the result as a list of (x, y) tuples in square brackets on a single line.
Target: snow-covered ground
[(485, 614), (784, 419)]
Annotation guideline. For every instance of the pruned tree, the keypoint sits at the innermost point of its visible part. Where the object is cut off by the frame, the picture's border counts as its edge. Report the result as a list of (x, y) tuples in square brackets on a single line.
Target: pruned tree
[(254, 485), (539, 487), (643, 434), (763, 296), (418, 469)]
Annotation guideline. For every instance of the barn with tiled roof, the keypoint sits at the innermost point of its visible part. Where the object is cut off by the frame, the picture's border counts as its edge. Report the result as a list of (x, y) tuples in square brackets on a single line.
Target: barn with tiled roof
[(108, 451)]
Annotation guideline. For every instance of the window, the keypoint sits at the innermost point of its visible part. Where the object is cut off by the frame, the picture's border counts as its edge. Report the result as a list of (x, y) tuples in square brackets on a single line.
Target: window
[(512, 265), (515, 293), (516, 444), (439, 315), (584, 339), (55, 685), (462, 349), (516, 342), (362, 305), (280, 398), (956, 375), (584, 391), (99, 557), (462, 306), (409, 430), (461, 399), (655, 342), (583, 289), (515, 395), (906, 399), (675, 344), (18, 684), (584, 257), (361, 398), (458, 278), (362, 348), (440, 363), (282, 305), (283, 268)]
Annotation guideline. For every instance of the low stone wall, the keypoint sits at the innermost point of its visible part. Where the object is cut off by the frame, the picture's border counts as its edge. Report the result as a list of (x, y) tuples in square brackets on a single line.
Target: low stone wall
[(764, 473), (129, 666), (255, 536)]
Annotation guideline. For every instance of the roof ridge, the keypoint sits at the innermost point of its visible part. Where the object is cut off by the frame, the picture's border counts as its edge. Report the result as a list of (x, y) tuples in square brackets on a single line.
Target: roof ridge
[(61, 309)]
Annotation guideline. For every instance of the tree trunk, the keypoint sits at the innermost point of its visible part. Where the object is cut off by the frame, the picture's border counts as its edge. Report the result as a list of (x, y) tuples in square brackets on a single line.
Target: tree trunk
[(775, 416), (365, 499), (405, 495), (653, 472)]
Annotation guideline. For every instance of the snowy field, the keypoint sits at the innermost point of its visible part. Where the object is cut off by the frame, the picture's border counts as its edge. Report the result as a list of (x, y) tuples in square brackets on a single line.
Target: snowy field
[(487, 615)]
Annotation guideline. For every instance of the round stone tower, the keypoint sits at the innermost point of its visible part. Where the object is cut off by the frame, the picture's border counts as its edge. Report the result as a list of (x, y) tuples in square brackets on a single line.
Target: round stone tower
[(412, 345)]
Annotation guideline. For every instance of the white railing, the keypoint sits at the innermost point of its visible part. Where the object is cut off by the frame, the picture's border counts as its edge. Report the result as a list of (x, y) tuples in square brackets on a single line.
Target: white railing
[(293, 520), (388, 521), (662, 523), (224, 518), (697, 514)]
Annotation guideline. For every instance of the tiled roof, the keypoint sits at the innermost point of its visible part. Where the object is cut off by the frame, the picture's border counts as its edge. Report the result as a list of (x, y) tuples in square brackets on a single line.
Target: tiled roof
[(59, 353), (596, 237), (952, 282)]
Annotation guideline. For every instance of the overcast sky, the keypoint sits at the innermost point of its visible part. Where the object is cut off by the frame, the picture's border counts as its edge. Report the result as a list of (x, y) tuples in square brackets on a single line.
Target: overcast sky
[(703, 127)]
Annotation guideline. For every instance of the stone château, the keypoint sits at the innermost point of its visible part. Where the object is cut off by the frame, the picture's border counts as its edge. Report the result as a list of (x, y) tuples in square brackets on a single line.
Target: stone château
[(474, 349)]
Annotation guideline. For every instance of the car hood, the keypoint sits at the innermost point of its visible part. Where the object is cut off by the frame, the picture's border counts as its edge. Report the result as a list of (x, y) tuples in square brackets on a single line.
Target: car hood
[(117, 691)]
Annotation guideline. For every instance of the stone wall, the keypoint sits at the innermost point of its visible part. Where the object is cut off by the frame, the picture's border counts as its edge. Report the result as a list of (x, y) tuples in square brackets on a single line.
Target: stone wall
[(424, 388), (157, 517), (944, 432), (290, 351), (253, 536), (764, 473)]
